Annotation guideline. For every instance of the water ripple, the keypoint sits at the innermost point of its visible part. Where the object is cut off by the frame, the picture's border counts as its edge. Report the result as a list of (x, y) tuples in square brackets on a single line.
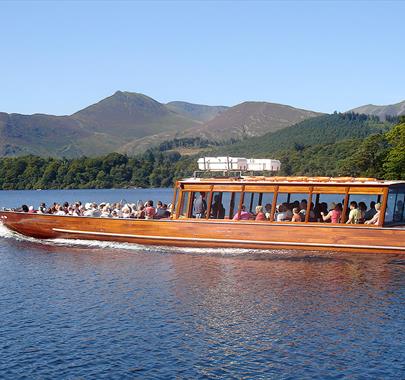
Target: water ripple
[(99, 310)]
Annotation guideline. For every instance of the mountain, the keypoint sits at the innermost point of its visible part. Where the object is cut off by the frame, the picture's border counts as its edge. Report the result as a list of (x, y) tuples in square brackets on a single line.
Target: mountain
[(131, 115), (382, 111), (197, 112), (131, 123), (235, 123), (250, 119), (98, 129), (47, 135)]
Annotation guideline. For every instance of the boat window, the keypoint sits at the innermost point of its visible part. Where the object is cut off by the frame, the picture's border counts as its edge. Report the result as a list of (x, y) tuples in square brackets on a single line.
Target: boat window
[(365, 203), (173, 205), (234, 204), (286, 202), (325, 203), (230, 202), (217, 207), (251, 200), (266, 202), (395, 211), (184, 201), (199, 204), (399, 210)]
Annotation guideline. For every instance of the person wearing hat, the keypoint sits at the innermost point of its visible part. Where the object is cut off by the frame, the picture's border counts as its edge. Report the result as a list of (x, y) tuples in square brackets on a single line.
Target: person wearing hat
[(88, 209)]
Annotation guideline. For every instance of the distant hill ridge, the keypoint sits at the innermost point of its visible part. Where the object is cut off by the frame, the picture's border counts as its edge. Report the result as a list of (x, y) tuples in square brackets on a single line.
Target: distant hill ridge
[(382, 112), (131, 122), (250, 119), (242, 121)]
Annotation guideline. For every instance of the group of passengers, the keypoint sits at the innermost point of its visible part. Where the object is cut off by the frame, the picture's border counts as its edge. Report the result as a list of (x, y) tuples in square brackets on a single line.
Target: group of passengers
[(294, 212), (140, 210), (284, 212), (297, 211), (359, 214)]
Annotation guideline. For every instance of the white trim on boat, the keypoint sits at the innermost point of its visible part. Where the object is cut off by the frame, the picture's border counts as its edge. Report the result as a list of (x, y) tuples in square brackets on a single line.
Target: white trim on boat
[(227, 240)]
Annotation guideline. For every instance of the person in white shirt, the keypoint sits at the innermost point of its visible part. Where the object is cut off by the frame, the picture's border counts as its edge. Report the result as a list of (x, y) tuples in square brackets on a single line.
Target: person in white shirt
[(59, 211), (282, 215), (376, 218)]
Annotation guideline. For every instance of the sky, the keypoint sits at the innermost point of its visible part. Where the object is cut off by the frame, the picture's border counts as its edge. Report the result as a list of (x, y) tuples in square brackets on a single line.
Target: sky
[(59, 57)]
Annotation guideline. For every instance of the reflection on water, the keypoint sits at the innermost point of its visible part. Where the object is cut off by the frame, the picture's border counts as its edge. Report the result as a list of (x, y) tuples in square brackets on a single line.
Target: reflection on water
[(129, 311), (108, 310)]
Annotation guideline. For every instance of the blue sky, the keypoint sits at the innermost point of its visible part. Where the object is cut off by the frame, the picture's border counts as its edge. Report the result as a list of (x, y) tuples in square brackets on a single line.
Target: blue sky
[(58, 57)]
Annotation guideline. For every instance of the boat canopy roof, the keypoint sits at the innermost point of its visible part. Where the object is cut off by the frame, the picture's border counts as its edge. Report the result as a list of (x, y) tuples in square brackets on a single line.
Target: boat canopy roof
[(298, 180)]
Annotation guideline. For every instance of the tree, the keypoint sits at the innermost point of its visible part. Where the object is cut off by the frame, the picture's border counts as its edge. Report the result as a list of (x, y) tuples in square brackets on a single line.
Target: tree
[(367, 157), (394, 165)]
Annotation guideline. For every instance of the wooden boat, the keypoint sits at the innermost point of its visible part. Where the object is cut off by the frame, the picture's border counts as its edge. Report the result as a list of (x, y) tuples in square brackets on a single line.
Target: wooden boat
[(217, 229)]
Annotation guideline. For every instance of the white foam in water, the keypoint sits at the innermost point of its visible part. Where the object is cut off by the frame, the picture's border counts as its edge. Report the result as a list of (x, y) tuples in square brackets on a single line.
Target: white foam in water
[(6, 233)]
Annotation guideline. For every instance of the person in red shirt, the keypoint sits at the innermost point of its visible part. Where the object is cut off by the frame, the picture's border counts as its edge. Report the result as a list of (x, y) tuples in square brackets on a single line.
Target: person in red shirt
[(260, 215), (150, 211), (243, 215)]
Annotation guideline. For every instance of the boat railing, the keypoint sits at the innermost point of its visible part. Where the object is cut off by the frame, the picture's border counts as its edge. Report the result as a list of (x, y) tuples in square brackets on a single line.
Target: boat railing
[(217, 174), (273, 177), (232, 174)]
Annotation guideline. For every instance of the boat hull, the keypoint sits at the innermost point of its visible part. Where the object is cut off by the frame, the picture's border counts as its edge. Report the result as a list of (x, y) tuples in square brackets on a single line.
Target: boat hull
[(211, 233)]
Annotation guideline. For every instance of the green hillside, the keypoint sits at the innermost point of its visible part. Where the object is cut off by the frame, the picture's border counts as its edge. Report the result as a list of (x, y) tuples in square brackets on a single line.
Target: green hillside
[(47, 135), (380, 155), (321, 130)]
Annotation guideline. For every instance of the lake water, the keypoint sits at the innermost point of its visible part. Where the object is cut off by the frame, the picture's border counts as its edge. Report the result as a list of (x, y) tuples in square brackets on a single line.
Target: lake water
[(92, 310)]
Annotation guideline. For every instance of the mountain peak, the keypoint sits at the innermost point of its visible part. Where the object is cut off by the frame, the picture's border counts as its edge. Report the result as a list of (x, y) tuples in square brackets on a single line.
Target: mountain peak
[(131, 115), (129, 93), (122, 95)]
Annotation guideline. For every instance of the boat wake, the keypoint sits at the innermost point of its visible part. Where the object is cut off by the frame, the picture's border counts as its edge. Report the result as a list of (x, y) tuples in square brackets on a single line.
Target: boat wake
[(97, 244), (74, 243), (6, 233)]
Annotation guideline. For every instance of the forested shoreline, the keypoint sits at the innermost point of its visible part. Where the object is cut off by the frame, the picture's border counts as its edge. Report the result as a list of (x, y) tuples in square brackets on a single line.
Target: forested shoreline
[(380, 155), (111, 171)]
